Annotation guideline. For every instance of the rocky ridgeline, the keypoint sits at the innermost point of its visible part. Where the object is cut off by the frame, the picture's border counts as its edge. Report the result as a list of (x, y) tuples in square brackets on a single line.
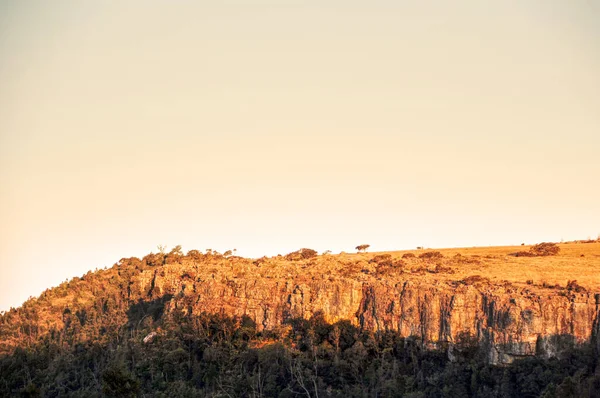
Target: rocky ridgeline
[(415, 297)]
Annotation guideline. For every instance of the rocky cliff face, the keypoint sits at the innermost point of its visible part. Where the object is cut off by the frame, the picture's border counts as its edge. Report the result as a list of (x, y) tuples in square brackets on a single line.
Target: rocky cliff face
[(433, 301), (511, 321)]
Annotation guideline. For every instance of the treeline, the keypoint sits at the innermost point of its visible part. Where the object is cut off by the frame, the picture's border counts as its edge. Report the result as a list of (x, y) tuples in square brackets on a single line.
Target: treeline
[(219, 356)]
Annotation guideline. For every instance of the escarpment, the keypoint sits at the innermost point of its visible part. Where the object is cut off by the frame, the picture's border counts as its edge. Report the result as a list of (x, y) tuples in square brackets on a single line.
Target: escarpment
[(443, 302), (511, 321)]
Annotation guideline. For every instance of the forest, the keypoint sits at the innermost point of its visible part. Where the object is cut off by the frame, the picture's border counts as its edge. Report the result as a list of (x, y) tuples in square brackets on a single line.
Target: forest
[(218, 356)]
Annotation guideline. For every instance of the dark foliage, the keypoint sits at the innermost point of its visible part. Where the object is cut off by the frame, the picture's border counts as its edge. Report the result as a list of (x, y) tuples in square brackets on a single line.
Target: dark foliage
[(213, 355), (118, 381)]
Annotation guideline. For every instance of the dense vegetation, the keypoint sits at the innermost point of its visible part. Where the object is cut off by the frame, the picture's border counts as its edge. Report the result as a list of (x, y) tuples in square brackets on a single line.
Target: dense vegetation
[(212, 355), (111, 340)]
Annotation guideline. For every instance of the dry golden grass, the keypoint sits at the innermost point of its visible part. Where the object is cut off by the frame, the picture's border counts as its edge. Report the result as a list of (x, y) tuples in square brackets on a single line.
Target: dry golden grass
[(576, 261)]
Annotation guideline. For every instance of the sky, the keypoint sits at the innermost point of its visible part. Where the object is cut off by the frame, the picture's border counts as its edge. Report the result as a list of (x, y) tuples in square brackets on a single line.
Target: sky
[(268, 126)]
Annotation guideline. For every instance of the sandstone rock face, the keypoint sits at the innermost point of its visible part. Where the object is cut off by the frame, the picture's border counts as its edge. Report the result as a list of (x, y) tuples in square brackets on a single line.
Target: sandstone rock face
[(442, 303), (510, 321)]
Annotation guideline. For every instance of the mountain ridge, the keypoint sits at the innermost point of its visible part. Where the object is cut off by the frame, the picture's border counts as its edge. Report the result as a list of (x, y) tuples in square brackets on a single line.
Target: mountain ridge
[(509, 306)]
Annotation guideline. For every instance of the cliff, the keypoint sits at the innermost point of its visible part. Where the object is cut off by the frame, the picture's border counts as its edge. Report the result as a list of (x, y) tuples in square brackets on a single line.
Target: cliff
[(512, 321), (447, 301)]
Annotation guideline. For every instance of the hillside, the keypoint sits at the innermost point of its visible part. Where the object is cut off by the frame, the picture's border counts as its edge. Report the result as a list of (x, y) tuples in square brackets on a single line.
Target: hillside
[(151, 323)]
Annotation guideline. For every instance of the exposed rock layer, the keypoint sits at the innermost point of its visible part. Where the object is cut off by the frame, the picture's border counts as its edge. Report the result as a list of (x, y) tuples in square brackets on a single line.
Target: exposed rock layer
[(511, 321)]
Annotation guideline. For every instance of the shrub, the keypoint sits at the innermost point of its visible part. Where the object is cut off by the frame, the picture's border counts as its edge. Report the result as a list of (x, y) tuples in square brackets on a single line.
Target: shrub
[(195, 255), (441, 269), (130, 262), (261, 260), (385, 261), (545, 249), (408, 255), (301, 254), (431, 255), (381, 258), (398, 264), (548, 285), (154, 260), (573, 285), (388, 265)]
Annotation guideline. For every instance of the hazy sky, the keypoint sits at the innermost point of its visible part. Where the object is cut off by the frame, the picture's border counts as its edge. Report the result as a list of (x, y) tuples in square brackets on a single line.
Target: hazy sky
[(268, 126)]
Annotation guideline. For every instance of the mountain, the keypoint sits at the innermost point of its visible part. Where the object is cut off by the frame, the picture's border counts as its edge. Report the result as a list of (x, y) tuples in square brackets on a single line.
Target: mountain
[(486, 322)]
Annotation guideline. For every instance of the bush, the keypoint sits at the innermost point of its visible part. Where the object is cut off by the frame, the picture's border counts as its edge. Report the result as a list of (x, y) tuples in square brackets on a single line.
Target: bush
[(408, 255), (260, 261), (130, 262), (545, 249), (573, 285), (441, 269), (301, 254), (195, 255), (381, 258), (431, 255), (154, 260)]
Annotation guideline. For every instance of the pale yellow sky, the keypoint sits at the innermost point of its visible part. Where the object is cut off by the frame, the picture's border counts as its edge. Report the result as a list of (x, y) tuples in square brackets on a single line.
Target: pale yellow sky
[(269, 126)]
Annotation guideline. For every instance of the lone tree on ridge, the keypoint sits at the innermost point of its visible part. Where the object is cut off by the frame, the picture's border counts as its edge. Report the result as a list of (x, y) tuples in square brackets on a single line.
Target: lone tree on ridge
[(362, 248)]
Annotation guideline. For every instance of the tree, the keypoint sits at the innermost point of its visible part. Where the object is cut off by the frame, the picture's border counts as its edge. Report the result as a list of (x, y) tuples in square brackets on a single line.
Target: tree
[(362, 248), (117, 381)]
